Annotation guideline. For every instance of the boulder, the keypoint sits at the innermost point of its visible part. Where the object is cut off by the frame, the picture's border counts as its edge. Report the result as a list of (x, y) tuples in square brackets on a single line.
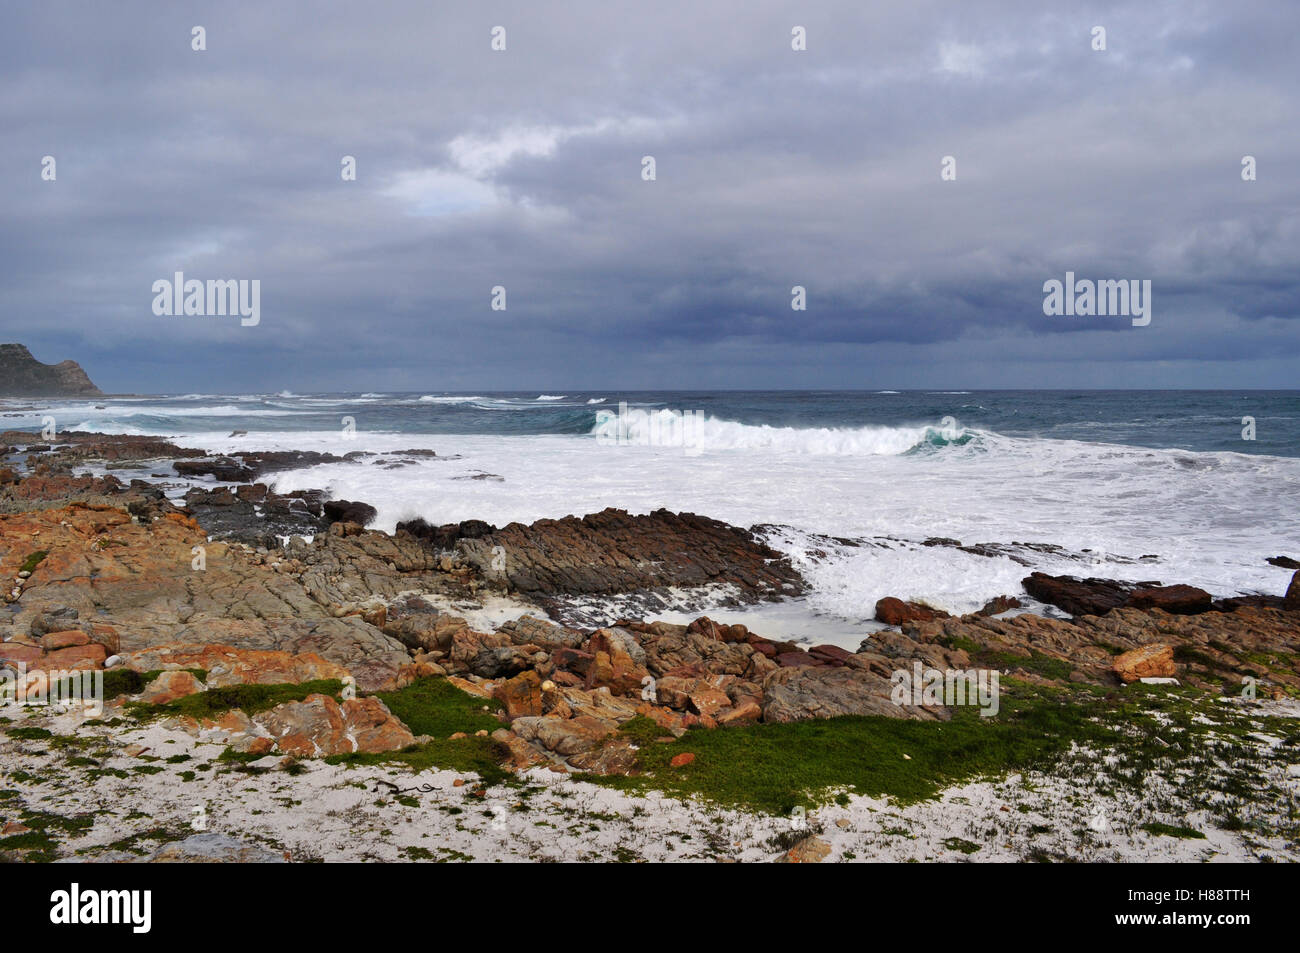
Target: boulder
[(893, 611), (1179, 600), (521, 695), (319, 727), (618, 662), (796, 694), (564, 736), (169, 686), (1076, 596), (1149, 661)]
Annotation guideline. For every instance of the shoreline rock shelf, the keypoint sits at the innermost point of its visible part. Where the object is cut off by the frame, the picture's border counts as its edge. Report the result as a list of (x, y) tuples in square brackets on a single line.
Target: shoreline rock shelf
[(325, 648)]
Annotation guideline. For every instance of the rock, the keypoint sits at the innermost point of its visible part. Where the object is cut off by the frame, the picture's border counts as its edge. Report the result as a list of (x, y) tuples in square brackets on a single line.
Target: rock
[(90, 655), (615, 756), (681, 760), (611, 551), (744, 713), (319, 727), (796, 694), (522, 755), (169, 686), (346, 511), (227, 665), (1179, 600), (573, 660), (893, 611), (1149, 661), (1284, 562), (831, 654), (214, 849), (530, 630), (617, 662), (21, 375), (1292, 598), (1076, 596), (500, 661), (55, 620), (62, 640), (1000, 604), (563, 736), (521, 695), (810, 850)]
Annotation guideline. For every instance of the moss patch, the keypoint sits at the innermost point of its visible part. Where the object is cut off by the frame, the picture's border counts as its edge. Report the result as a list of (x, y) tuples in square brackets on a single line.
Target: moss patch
[(250, 699)]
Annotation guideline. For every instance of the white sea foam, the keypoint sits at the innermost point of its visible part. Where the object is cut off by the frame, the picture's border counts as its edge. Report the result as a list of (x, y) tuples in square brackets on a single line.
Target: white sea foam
[(674, 428), (1211, 518), (551, 397)]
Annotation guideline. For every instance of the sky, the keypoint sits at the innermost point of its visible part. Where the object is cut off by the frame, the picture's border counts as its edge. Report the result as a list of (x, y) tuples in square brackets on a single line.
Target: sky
[(522, 168)]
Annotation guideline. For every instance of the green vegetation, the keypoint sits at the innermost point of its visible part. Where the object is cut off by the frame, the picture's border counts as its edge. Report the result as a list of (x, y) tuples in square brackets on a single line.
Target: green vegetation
[(34, 560), (775, 768), (1170, 830), (40, 844), (29, 733), (250, 699), (435, 707)]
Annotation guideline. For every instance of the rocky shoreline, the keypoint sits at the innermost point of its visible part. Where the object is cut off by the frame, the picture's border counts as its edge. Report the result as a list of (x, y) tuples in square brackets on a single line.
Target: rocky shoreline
[(278, 629)]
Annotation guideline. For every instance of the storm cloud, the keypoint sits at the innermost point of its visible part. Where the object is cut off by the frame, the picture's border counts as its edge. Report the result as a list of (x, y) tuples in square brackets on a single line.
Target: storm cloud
[(522, 168)]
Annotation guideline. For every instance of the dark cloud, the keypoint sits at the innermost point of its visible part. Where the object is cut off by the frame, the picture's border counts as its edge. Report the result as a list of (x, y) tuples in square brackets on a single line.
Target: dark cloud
[(775, 169)]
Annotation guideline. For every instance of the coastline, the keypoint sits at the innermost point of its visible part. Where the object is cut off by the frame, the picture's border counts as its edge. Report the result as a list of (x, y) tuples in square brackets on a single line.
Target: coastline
[(419, 620)]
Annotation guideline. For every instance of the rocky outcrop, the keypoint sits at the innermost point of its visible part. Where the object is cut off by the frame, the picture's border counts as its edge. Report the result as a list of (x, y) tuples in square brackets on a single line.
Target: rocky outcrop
[(1099, 596), (614, 552), (319, 727), (165, 582), (21, 375)]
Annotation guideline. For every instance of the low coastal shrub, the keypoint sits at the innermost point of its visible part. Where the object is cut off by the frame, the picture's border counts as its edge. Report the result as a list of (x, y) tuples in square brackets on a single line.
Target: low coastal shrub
[(250, 699)]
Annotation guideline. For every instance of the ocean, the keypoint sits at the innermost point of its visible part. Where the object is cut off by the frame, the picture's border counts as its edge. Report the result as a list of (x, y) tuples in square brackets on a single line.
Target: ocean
[(1139, 485)]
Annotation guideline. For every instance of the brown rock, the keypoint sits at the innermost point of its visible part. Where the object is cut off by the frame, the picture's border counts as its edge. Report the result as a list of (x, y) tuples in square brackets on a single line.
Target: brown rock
[(615, 756), (522, 754), (1149, 661), (563, 736), (810, 850), (319, 727), (744, 713), (893, 611), (62, 640), (521, 695), (615, 664), (90, 655), (227, 665), (169, 686), (1179, 600), (680, 760)]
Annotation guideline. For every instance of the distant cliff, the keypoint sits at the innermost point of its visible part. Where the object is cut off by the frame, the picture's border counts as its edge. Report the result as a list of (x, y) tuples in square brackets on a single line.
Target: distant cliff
[(21, 375)]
